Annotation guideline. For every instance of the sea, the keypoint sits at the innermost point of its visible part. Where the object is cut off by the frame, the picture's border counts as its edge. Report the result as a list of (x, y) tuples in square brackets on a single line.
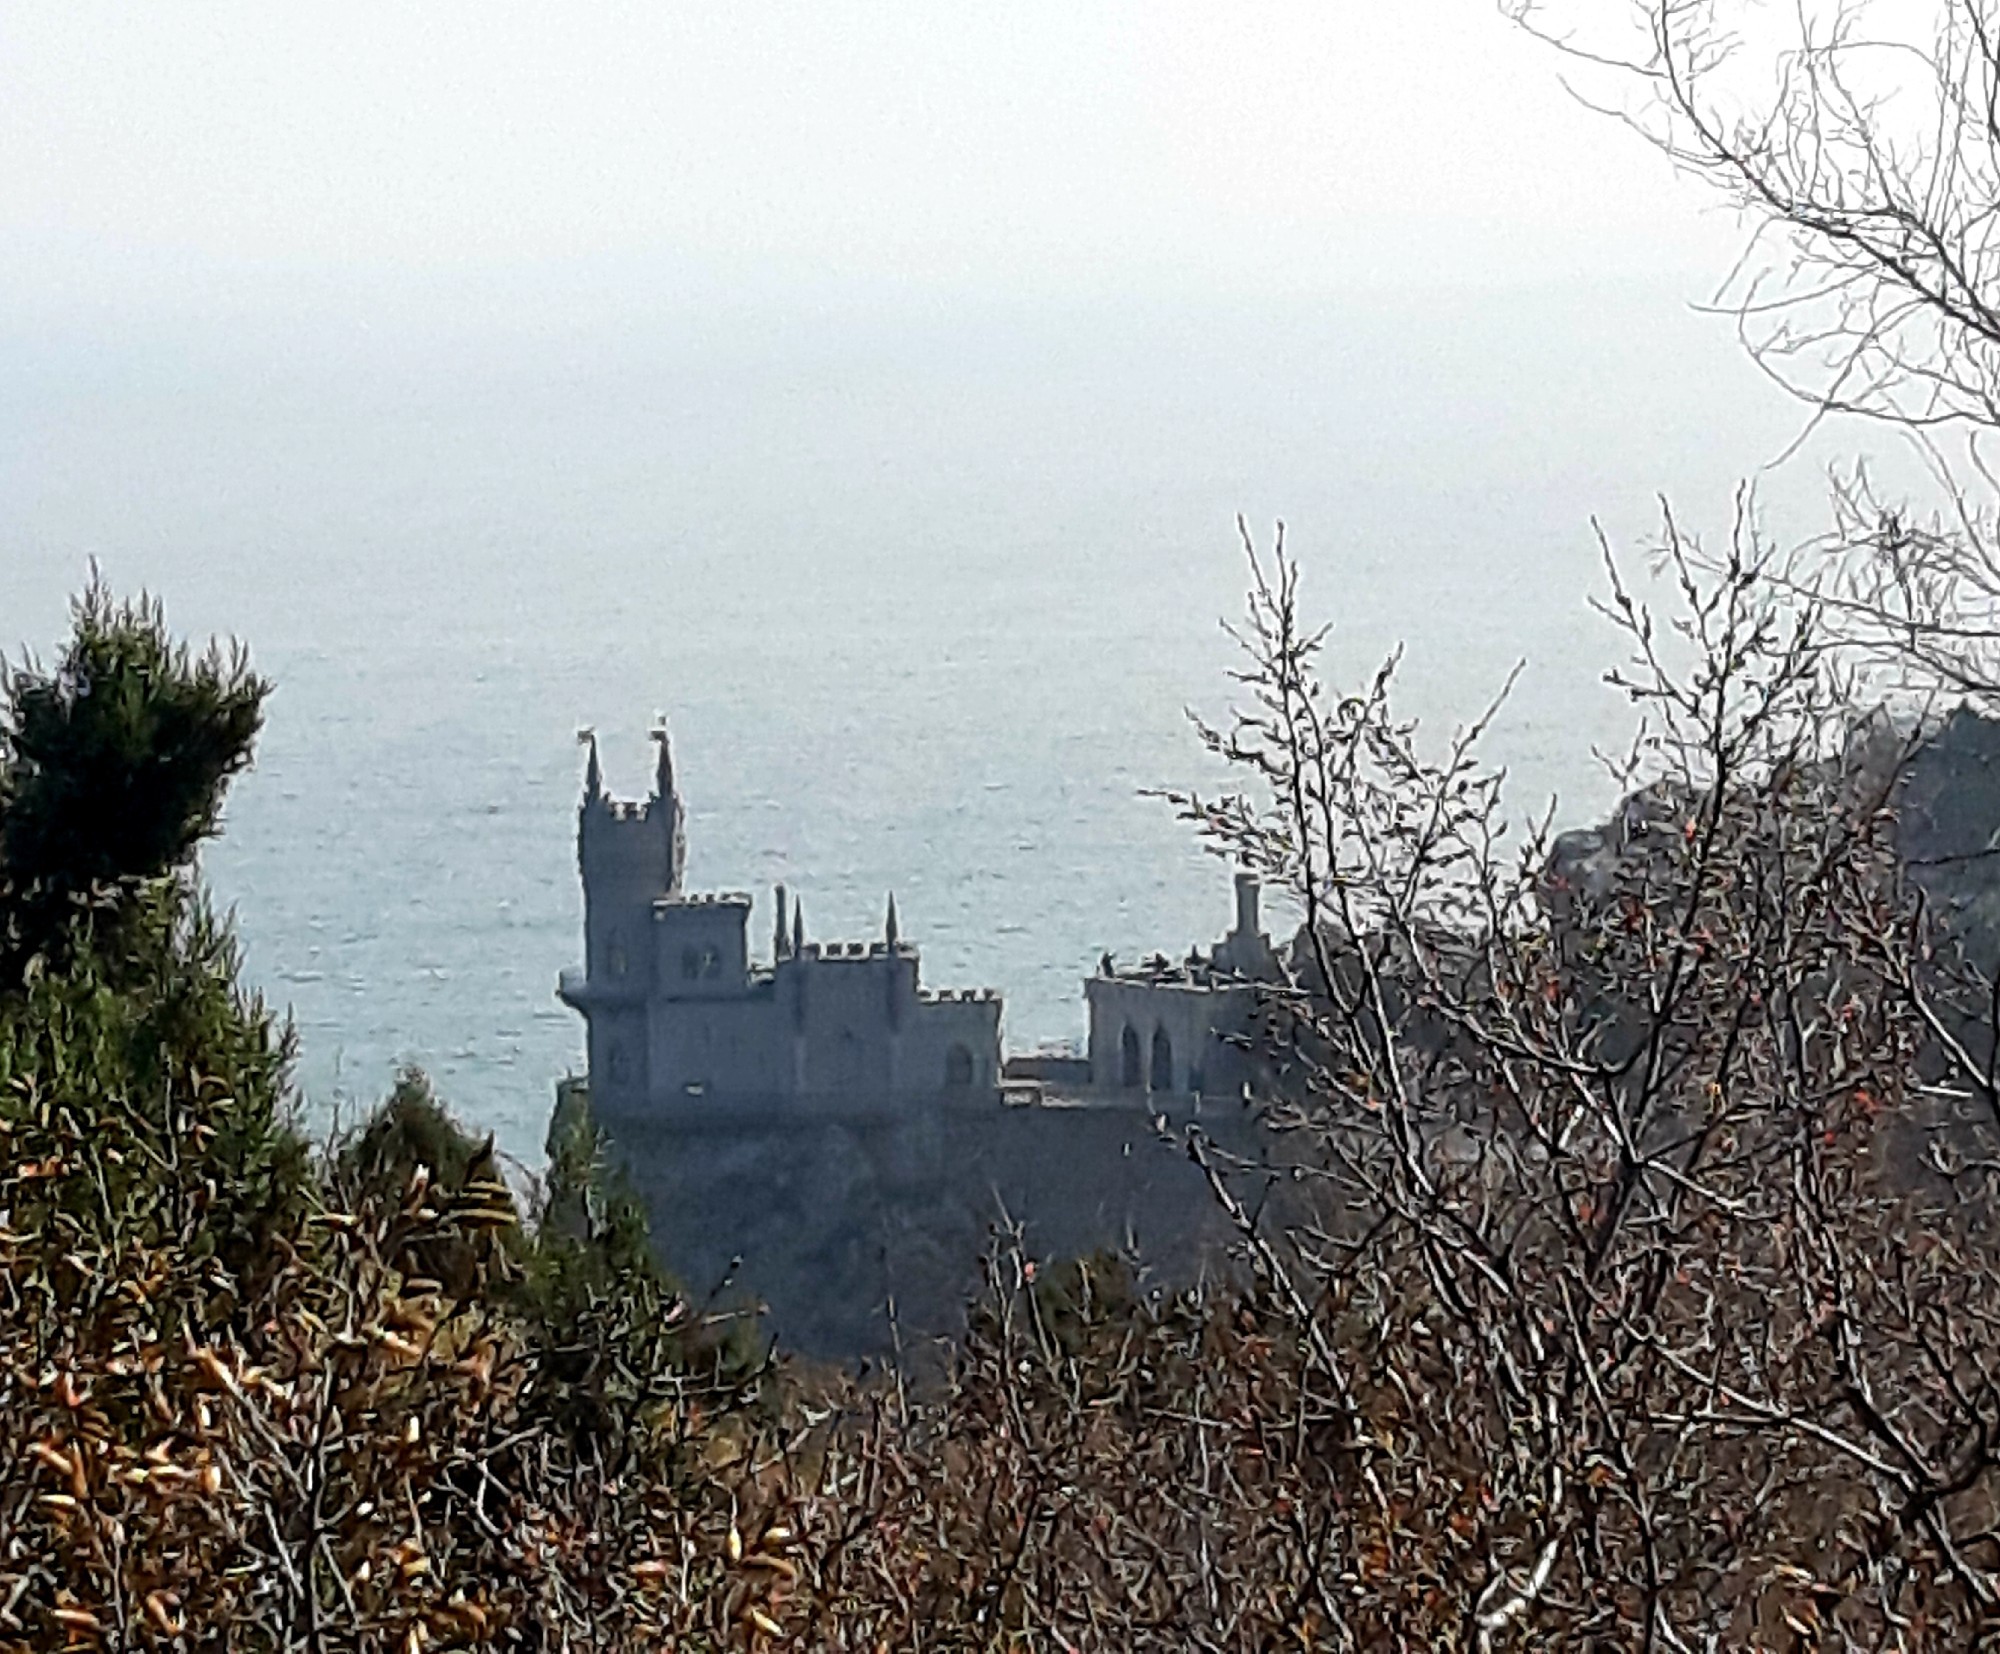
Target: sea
[(927, 593)]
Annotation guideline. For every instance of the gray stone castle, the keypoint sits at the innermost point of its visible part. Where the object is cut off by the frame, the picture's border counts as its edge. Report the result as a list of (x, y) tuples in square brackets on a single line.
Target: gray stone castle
[(817, 1133), (680, 1017)]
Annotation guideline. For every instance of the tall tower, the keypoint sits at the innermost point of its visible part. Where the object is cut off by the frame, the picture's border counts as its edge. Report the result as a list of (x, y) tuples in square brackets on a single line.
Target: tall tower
[(630, 855)]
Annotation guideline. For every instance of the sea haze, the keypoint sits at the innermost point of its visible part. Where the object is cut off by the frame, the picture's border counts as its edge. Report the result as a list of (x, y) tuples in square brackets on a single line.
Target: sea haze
[(926, 593)]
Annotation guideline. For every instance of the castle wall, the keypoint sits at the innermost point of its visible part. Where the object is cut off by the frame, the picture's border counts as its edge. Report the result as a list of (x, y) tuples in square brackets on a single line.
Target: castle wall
[(722, 1047), (700, 946), (844, 1026), (620, 1069), (1194, 1018), (843, 1008), (939, 1025)]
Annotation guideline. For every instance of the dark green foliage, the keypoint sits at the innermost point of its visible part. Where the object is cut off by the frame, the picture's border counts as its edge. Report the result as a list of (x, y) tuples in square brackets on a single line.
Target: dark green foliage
[(619, 1336), (138, 1079), (112, 766), (1069, 1299), (155, 1087), (412, 1129), (465, 1231)]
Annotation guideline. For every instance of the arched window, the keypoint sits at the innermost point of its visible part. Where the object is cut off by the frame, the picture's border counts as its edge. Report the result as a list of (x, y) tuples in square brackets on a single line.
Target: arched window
[(1130, 1075), (1163, 1061), (958, 1067)]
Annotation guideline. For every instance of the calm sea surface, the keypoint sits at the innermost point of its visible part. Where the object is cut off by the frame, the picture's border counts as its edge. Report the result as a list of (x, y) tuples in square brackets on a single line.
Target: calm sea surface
[(925, 599)]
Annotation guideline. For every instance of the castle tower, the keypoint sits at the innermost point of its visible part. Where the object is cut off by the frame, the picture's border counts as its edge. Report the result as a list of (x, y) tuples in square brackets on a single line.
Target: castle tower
[(630, 855), (1246, 950)]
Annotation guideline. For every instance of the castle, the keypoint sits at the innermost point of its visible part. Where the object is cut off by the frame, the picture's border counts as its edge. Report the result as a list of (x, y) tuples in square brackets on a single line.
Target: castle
[(681, 1018), (818, 1132)]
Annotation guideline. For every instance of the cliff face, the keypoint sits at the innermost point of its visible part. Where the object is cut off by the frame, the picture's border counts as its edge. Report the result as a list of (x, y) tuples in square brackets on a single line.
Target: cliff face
[(1947, 807), (1941, 783), (827, 1220)]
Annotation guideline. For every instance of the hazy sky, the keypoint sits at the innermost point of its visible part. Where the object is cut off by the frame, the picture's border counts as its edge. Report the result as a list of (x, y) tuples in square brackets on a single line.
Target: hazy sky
[(184, 157)]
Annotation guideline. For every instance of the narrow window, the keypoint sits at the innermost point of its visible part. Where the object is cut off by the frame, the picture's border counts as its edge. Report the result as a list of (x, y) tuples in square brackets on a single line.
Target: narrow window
[(1163, 1061), (1129, 1075)]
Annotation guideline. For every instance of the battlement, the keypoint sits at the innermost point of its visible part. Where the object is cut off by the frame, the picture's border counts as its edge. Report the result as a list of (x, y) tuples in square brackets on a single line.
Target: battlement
[(845, 952), (725, 898)]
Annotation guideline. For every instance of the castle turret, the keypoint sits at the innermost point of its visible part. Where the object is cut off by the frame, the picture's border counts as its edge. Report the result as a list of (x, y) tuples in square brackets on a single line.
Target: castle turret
[(1247, 892), (666, 801), (630, 856), (701, 946)]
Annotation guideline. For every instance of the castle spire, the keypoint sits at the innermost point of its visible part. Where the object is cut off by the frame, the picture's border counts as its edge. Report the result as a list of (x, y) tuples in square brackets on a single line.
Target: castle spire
[(890, 934), (663, 776), (593, 776), (798, 926), (780, 942)]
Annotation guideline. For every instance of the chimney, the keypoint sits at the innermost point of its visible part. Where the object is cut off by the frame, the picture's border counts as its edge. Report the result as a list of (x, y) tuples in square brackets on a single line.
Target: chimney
[(1247, 923)]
